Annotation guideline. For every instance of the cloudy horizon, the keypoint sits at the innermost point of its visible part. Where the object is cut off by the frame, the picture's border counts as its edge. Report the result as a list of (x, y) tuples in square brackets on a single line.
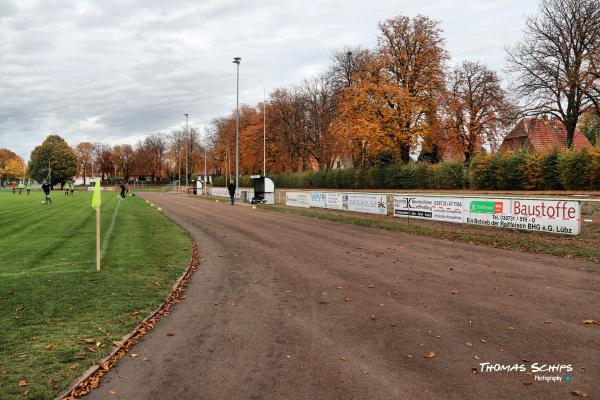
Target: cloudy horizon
[(114, 71)]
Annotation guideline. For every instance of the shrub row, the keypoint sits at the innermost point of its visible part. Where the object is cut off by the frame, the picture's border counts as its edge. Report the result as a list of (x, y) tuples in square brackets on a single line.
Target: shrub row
[(514, 171), (537, 171)]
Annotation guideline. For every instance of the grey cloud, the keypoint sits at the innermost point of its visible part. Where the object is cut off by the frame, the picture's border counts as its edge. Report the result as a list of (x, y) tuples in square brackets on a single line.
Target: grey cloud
[(135, 66)]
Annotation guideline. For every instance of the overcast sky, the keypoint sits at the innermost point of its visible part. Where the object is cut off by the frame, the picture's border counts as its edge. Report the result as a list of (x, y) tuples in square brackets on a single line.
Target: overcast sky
[(115, 70)]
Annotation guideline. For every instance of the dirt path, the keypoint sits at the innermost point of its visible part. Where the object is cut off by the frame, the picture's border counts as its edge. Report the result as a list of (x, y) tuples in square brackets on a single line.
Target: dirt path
[(266, 316)]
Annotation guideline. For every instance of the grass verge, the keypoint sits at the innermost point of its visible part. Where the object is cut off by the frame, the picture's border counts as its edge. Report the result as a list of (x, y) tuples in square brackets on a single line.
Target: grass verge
[(58, 316)]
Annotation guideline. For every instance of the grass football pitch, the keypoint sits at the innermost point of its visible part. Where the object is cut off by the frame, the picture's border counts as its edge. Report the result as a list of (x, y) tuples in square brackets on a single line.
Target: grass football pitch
[(51, 296)]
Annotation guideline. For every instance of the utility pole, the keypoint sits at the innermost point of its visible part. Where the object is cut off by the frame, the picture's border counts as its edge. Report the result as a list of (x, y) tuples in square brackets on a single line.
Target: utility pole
[(205, 178)]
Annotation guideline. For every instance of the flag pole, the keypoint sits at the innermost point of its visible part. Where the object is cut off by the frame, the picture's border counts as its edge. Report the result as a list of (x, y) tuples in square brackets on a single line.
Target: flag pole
[(96, 201), (98, 238)]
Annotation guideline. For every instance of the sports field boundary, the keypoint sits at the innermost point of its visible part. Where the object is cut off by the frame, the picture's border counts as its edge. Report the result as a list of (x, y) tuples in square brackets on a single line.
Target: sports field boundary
[(90, 379)]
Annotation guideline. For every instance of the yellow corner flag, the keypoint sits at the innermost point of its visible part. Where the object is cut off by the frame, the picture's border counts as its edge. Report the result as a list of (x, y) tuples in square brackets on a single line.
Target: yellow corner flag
[(96, 201)]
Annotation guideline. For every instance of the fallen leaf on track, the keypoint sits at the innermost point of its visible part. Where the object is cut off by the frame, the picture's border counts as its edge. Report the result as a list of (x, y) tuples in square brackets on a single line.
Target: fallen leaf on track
[(431, 354), (454, 292), (579, 393), (482, 340), (118, 344), (347, 299), (589, 321), (170, 333), (373, 317), (510, 328), (134, 355), (469, 344)]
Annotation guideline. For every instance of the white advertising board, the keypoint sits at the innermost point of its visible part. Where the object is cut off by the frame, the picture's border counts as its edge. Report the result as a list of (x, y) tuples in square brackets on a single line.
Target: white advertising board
[(446, 209), (297, 199), (224, 192), (333, 201), (365, 203), (317, 199), (552, 216), (219, 192)]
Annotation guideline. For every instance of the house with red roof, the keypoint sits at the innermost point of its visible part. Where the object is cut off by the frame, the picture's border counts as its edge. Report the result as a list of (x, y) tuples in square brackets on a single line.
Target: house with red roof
[(541, 135)]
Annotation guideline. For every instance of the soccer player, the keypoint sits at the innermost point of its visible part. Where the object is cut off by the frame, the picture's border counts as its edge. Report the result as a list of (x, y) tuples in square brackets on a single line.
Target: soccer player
[(46, 188), (21, 186), (28, 187)]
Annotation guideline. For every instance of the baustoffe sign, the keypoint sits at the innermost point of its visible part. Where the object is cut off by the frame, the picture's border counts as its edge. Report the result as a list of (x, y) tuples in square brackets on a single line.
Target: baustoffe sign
[(445, 209), (553, 216)]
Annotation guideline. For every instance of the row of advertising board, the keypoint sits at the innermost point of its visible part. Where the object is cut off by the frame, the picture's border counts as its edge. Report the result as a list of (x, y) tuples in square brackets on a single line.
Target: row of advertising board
[(539, 215), (357, 202)]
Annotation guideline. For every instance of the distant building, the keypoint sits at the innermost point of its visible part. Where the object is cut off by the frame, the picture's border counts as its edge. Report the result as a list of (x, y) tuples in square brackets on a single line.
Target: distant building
[(542, 134)]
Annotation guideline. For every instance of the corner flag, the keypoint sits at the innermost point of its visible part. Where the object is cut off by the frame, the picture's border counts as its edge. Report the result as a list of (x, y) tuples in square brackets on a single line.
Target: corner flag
[(96, 201)]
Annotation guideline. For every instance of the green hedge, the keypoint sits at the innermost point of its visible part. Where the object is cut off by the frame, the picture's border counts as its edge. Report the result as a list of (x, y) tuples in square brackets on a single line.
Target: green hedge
[(501, 171), (537, 171)]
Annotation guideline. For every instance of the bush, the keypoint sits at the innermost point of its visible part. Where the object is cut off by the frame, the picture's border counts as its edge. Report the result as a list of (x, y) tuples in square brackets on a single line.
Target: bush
[(572, 169), (533, 177), (450, 175), (593, 169), (550, 174), (502, 171), (482, 172)]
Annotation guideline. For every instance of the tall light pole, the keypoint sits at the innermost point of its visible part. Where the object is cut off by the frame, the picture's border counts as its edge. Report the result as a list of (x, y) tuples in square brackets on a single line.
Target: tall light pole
[(186, 151), (264, 133), (205, 180), (236, 61)]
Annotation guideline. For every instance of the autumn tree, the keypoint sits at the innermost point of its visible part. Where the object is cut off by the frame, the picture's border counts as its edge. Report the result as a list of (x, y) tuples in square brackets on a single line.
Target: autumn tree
[(347, 65), (6, 156), (320, 109), (589, 125), (103, 158), (85, 158), (13, 169), (155, 147), (53, 158), (555, 61), (477, 109), (389, 106)]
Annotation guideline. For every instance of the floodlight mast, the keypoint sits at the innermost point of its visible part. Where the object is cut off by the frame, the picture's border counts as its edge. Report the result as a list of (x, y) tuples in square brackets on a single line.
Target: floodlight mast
[(237, 60)]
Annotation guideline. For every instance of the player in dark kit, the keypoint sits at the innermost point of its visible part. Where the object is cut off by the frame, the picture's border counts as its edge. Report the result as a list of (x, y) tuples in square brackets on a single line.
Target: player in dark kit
[(46, 188)]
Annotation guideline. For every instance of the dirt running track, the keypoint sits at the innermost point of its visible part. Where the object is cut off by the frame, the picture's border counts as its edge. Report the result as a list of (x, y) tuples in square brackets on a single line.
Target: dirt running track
[(265, 316)]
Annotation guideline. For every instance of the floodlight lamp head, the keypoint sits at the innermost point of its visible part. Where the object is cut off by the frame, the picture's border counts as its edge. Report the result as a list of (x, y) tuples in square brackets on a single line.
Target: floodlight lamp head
[(236, 60)]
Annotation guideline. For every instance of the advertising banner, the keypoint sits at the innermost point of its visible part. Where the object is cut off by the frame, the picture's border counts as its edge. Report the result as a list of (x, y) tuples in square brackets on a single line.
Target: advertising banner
[(446, 209), (219, 192), (553, 216), (297, 199), (365, 203), (333, 201), (317, 200)]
